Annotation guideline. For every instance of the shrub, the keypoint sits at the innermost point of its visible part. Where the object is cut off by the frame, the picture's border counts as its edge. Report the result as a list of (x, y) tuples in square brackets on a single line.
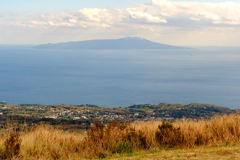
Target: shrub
[(169, 136), (12, 145), (114, 138)]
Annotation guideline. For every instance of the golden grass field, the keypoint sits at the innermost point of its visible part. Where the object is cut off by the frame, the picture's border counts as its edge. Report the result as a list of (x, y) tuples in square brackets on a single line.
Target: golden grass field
[(217, 138)]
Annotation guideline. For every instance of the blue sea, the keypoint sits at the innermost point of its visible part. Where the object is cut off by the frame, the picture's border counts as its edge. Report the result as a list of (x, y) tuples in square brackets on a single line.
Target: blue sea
[(114, 78)]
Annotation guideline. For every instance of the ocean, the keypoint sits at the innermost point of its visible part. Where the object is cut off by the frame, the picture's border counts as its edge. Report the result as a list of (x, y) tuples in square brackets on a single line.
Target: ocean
[(114, 78)]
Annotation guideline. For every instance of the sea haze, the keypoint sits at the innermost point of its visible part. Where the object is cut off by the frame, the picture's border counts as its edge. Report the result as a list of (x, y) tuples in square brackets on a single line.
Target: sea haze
[(114, 78)]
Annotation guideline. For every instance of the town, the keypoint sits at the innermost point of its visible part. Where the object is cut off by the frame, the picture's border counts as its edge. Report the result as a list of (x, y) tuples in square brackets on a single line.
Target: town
[(83, 116)]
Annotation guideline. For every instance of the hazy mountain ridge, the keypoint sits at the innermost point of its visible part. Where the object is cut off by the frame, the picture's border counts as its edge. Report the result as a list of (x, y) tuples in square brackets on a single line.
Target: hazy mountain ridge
[(123, 43)]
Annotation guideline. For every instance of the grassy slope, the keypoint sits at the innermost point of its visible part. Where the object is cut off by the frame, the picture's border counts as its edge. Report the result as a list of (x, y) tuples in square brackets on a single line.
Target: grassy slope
[(198, 141), (203, 153)]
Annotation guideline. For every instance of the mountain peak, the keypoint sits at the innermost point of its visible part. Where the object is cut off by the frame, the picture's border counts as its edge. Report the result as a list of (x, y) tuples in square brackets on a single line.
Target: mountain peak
[(133, 38)]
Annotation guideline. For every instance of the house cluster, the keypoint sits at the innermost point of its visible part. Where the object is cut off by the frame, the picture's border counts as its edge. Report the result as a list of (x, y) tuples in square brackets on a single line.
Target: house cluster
[(85, 115), (101, 116), (69, 113)]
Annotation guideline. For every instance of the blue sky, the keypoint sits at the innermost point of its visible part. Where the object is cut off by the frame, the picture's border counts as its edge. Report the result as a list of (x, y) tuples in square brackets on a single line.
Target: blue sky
[(43, 6), (177, 22)]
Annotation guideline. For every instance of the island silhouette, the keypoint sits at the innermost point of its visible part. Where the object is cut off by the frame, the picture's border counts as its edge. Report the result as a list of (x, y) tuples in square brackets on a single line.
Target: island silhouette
[(122, 43)]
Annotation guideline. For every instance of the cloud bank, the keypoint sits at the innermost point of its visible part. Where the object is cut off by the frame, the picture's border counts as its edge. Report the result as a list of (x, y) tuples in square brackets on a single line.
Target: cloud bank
[(156, 12), (160, 17)]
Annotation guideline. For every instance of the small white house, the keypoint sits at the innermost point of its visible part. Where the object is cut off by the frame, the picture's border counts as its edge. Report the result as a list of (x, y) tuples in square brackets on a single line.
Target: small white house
[(136, 114), (76, 118)]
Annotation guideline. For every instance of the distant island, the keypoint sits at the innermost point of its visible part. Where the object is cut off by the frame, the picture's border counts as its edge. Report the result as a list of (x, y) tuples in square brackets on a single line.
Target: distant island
[(123, 43)]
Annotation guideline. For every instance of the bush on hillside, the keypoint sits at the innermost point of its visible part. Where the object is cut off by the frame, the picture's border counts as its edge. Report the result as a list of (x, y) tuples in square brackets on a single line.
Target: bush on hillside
[(114, 138), (169, 136)]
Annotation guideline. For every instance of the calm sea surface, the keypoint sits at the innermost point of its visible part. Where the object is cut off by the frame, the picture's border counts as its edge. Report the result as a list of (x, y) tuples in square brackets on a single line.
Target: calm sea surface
[(114, 78)]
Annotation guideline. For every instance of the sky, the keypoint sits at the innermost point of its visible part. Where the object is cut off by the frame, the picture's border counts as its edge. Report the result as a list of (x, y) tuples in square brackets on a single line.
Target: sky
[(175, 22)]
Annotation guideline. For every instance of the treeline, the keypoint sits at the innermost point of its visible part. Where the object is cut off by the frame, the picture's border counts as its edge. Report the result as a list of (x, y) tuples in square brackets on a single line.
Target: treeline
[(7, 121), (194, 110)]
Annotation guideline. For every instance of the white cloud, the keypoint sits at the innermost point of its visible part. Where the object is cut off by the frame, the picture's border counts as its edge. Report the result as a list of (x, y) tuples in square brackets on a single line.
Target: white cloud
[(72, 20), (39, 22), (209, 13), (209, 16), (87, 17), (94, 14), (227, 22), (194, 19), (146, 17)]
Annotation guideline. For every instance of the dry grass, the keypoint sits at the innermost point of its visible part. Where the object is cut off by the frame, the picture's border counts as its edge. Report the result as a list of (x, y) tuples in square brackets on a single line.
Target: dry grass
[(199, 153), (45, 142)]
